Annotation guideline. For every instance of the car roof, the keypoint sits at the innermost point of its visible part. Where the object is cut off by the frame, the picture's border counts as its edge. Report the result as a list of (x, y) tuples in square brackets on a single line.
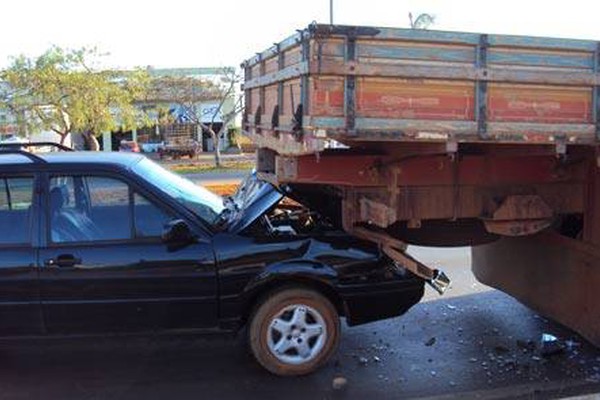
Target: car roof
[(73, 157)]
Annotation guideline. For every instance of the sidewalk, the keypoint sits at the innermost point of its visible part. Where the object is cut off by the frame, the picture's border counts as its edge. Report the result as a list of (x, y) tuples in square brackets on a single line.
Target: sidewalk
[(203, 158)]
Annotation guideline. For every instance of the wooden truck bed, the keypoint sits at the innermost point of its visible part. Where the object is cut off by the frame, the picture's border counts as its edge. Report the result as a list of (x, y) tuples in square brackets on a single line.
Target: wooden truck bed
[(372, 85), (450, 139)]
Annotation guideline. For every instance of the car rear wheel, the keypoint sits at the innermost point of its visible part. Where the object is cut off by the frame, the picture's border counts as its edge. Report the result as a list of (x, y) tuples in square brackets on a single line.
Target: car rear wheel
[(294, 332)]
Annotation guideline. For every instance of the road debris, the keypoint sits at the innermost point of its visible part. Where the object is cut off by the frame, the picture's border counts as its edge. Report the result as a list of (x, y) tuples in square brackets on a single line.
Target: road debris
[(339, 383), (376, 359), (363, 360), (550, 345), (430, 342), (571, 344)]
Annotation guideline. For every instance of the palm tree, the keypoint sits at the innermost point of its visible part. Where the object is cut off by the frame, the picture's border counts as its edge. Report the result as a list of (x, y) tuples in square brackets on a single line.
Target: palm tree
[(423, 21)]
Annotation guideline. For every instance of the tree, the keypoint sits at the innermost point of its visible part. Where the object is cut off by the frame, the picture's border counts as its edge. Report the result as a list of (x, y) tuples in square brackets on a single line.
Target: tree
[(61, 91), (423, 21), (188, 93)]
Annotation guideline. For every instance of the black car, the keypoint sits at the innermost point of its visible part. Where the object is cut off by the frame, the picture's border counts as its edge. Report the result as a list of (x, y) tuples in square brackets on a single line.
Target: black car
[(94, 242)]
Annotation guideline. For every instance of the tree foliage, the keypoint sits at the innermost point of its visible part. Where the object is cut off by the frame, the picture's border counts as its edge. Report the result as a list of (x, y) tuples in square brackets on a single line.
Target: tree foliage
[(62, 91)]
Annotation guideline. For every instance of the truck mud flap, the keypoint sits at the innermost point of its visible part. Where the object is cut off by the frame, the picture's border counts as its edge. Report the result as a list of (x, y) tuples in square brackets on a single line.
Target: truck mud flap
[(555, 275)]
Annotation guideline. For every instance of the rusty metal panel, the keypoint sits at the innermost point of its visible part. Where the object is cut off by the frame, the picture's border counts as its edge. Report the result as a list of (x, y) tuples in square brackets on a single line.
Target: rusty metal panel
[(506, 189), (313, 169), (555, 275), (466, 201), (591, 226), (436, 169)]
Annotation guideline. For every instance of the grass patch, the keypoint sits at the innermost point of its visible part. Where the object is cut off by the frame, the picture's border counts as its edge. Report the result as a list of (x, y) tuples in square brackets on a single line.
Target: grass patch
[(198, 168), (222, 189)]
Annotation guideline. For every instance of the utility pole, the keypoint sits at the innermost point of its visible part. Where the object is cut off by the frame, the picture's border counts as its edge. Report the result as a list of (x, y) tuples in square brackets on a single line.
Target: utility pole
[(330, 12)]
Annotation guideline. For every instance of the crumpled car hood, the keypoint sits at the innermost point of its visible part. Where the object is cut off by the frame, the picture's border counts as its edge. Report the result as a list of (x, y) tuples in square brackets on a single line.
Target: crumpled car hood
[(253, 198)]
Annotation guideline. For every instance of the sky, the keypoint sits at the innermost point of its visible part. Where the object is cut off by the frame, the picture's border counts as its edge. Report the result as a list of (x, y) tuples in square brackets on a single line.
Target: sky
[(199, 33)]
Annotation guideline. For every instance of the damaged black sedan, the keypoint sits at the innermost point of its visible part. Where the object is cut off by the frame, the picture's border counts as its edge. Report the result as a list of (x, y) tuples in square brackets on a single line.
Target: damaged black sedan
[(98, 243)]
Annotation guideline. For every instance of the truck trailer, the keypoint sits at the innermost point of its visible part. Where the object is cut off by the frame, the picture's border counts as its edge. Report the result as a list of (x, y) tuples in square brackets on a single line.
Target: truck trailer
[(405, 136)]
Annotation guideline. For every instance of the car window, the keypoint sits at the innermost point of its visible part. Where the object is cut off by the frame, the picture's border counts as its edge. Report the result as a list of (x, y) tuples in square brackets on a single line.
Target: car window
[(150, 220), (205, 204), (89, 208), (16, 196), (68, 190), (95, 208)]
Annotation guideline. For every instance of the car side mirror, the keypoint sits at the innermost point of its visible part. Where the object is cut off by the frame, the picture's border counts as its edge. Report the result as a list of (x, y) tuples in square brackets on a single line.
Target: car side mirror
[(177, 235)]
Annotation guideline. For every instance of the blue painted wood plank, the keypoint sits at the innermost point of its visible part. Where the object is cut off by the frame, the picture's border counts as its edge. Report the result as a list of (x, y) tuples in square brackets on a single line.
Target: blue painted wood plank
[(542, 42), (542, 60), (325, 122), (400, 52), (421, 35), (272, 51), (415, 124)]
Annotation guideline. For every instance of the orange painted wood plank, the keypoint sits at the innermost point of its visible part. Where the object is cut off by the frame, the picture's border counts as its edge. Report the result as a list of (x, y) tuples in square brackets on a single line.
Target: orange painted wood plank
[(415, 99), (543, 104)]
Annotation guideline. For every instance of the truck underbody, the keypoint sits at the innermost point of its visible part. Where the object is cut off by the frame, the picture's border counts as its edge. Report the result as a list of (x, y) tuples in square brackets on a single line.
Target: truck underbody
[(445, 139)]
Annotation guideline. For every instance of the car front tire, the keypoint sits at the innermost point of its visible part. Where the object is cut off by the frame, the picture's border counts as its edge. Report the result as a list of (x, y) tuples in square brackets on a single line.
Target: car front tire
[(294, 331)]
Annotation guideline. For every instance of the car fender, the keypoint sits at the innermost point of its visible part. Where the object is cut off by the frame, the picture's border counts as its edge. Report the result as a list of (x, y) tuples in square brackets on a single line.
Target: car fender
[(303, 272)]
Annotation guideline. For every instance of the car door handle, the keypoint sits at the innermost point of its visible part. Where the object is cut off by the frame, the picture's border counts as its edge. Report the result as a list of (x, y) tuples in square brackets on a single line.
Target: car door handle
[(63, 260)]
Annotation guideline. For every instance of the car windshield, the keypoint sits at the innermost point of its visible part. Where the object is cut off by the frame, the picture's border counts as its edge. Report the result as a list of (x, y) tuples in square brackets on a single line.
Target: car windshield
[(204, 203)]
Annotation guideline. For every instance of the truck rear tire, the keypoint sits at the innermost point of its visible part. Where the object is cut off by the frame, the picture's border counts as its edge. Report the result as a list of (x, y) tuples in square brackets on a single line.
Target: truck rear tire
[(294, 332)]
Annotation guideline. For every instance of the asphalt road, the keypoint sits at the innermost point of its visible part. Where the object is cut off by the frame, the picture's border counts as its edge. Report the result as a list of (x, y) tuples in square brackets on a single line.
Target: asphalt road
[(470, 343)]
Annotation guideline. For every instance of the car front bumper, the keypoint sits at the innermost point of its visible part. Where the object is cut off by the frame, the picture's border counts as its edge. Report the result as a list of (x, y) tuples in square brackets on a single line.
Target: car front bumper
[(375, 301)]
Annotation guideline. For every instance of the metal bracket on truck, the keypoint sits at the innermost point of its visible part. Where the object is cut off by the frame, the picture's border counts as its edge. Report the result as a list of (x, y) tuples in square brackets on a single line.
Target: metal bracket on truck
[(396, 250)]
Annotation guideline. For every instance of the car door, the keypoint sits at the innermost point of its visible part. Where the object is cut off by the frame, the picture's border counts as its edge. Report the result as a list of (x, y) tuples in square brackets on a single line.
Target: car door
[(106, 269), (19, 293)]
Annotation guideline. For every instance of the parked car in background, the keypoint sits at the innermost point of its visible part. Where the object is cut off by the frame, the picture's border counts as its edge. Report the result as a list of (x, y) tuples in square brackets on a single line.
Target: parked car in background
[(114, 243), (151, 147)]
